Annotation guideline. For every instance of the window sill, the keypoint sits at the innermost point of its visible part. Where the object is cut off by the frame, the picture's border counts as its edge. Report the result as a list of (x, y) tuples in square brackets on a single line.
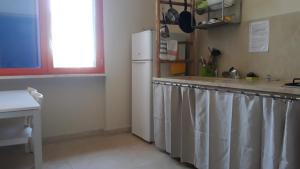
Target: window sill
[(50, 76)]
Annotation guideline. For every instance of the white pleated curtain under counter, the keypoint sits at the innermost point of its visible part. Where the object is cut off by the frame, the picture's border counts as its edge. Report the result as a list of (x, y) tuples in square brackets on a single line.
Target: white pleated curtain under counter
[(221, 130), (174, 121)]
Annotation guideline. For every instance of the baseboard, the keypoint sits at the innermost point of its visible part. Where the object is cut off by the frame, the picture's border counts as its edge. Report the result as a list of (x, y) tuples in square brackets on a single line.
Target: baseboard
[(86, 134), (117, 131)]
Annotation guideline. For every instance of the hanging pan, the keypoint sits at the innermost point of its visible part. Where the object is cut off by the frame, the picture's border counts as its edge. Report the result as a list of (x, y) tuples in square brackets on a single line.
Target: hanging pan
[(185, 20), (164, 30), (172, 15)]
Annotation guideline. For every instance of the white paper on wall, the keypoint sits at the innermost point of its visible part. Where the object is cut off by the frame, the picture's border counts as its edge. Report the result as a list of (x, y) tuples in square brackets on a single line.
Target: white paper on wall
[(259, 36)]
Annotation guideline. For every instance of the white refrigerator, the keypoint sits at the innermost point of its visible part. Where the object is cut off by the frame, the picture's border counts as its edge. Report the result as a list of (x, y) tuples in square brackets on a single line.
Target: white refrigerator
[(142, 62)]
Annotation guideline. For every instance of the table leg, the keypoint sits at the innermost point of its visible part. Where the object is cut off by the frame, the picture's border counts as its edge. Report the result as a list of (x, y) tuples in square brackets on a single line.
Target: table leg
[(37, 141)]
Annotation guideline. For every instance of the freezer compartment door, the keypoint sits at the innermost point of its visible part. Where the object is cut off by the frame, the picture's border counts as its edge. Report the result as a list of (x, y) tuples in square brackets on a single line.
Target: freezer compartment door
[(142, 46), (142, 100)]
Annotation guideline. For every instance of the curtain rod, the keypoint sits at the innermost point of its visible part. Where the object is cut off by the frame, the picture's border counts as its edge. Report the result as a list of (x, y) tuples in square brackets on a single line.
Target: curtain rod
[(174, 3), (232, 90)]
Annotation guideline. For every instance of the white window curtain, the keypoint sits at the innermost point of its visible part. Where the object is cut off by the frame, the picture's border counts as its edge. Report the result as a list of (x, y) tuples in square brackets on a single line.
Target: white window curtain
[(221, 130), (174, 118)]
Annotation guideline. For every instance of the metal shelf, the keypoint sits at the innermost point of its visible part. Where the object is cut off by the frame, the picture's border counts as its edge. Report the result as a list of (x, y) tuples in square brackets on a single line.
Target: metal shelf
[(233, 12), (211, 9), (211, 25)]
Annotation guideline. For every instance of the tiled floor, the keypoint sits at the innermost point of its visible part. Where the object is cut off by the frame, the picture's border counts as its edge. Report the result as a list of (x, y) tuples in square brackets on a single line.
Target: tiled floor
[(122, 151)]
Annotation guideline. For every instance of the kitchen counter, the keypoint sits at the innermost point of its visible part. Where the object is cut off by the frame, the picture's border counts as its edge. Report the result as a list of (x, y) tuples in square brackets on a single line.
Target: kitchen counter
[(276, 87)]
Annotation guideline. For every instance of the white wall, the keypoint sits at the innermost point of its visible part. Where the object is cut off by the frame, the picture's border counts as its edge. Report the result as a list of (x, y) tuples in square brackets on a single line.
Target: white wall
[(121, 19), (256, 9), (71, 105)]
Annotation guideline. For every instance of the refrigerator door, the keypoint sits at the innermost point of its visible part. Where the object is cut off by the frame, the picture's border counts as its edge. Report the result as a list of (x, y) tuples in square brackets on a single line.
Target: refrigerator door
[(142, 99), (142, 45)]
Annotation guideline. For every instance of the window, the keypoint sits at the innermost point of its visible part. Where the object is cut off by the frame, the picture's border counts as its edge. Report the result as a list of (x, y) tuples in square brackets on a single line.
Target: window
[(19, 40), (73, 40), (64, 37)]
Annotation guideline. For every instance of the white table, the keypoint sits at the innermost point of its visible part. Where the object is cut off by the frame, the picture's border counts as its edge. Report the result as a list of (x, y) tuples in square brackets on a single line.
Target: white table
[(20, 103)]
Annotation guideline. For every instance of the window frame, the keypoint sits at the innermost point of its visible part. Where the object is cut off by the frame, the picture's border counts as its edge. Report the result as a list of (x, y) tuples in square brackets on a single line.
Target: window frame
[(46, 59)]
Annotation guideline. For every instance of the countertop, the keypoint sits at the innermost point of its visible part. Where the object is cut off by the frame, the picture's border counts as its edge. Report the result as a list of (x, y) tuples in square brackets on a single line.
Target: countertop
[(256, 85)]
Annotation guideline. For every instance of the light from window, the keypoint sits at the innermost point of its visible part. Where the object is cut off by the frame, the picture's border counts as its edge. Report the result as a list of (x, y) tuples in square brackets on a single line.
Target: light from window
[(73, 37)]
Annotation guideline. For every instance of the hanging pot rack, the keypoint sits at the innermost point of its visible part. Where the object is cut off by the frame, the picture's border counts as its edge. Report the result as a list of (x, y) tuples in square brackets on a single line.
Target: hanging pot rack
[(189, 61), (174, 3)]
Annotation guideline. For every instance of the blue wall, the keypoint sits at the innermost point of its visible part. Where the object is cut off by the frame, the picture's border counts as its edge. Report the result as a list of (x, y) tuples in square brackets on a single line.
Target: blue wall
[(19, 46)]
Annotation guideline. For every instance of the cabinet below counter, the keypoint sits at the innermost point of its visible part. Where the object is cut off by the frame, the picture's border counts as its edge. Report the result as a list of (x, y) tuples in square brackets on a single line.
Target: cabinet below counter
[(263, 86), (226, 123)]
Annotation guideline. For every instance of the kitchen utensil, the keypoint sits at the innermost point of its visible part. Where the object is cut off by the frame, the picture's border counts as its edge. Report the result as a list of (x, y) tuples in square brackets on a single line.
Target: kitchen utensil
[(164, 30), (214, 54), (201, 7), (270, 78), (212, 20), (294, 84), (226, 74), (203, 22), (234, 73), (185, 20), (251, 76), (172, 15), (217, 4), (203, 61), (206, 72), (227, 18)]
